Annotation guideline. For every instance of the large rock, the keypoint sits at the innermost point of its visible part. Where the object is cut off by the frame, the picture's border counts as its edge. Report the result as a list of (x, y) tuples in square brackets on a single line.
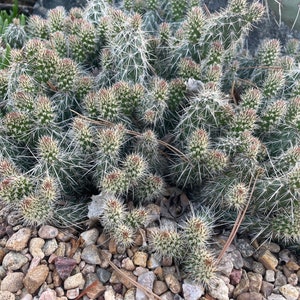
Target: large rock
[(12, 282), (35, 277), (18, 241)]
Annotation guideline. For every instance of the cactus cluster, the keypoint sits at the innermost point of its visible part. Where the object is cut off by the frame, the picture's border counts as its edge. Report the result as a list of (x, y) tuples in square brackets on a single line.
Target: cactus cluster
[(125, 99)]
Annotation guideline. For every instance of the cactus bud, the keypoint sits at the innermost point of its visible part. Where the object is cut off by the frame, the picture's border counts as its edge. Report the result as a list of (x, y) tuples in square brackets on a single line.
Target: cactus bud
[(189, 69), (236, 196), (196, 232), (134, 167), (65, 74), (269, 52), (194, 24), (18, 125), (59, 43), (251, 99), (273, 115), (273, 83), (166, 243), (38, 27), (151, 187), (35, 211), (113, 213), (43, 111), (48, 149), (215, 161), (123, 235), (83, 134), (198, 144), (56, 18), (200, 266), (115, 182)]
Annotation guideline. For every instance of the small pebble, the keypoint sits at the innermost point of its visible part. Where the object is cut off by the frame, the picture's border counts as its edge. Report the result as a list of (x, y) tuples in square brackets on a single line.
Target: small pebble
[(12, 282), (90, 236), (192, 291), (35, 247), (74, 281), (103, 275), (14, 261), (173, 283), (140, 259), (18, 241), (90, 255), (48, 232), (289, 292), (73, 293), (5, 295)]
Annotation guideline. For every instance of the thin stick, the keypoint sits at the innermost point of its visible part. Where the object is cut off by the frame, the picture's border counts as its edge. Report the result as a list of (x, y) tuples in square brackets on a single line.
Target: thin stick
[(237, 223), (147, 291)]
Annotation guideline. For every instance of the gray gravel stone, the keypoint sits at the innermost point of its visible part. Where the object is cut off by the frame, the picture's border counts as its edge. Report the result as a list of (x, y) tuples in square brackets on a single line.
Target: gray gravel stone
[(266, 288), (270, 276), (146, 280), (280, 279), (103, 275), (225, 265), (90, 236), (90, 255), (13, 261), (218, 289), (237, 259), (192, 291), (50, 247), (258, 267), (245, 248)]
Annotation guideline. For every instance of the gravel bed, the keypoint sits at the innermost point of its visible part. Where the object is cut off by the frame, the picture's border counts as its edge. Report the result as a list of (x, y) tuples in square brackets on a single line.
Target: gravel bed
[(50, 263)]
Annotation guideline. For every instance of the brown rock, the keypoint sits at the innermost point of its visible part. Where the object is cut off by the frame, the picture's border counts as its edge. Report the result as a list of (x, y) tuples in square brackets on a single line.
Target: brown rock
[(159, 287), (95, 289), (105, 257), (140, 259), (2, 254), (292, 266), (12, 282), (128, 264), (255, 281), (250, 296), (269, 261), (173, 283), (18, 241), (112, 246), (35, 278)]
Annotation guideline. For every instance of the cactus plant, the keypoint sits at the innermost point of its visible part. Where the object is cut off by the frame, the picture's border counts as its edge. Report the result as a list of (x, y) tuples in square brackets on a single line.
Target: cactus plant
[(125, 100)]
